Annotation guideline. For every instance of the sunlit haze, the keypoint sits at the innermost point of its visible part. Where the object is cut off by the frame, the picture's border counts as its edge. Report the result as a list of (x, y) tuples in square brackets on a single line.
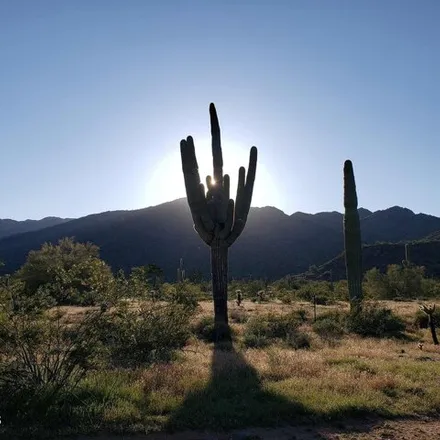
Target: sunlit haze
[(96, 96)]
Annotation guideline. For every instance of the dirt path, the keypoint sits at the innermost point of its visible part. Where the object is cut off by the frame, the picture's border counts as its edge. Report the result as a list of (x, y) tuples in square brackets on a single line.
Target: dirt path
[(420, 429)]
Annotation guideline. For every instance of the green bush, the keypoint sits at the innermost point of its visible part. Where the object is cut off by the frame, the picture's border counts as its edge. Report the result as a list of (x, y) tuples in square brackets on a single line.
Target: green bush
[(71, 272), (257, 333), (204, 329), (185, 294), (301, 315), (255, 340), (150, 334), (297, 339), (329, 325), (316, 291), (41, 358), (261, 330), (375, 321)]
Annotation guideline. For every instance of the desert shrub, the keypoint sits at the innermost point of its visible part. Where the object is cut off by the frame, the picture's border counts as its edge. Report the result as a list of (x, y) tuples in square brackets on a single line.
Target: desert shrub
[(204, 328), (319, 291), (404, 281), (286, 296), (430, 288), (41, 358), (186, 295), (301, 315), (421, 318), (399, 282), (261, 330), (154, 332), (329, 325), (252, 289), (375, 321), (15, 300), (281, 325), (239, 316), (256, 334), (71, 272), (298, 339)]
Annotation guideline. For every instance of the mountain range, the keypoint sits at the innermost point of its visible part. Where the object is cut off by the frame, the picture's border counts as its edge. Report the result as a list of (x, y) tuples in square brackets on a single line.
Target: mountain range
[(10, 227), (272, 245)]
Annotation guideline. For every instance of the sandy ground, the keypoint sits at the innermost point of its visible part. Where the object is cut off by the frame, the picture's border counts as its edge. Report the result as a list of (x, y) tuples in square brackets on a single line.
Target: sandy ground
[(366, 430)]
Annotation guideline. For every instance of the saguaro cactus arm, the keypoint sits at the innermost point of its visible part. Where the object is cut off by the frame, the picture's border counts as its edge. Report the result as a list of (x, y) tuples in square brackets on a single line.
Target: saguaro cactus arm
[(215, 214), (244, 197), (429, 310), (195, 191)]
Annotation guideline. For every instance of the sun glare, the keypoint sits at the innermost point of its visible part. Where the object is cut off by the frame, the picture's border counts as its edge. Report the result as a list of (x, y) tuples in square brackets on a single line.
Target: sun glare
[(162, 189)]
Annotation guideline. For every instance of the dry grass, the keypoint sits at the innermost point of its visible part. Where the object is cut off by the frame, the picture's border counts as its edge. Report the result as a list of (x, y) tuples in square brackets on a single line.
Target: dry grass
[(245, 387)]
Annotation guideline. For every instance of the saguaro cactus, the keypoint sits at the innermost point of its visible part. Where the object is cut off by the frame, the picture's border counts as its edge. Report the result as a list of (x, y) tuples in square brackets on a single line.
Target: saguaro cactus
[(429, 310), (352, 238), (217, 218), (406, 262), (181, 272)]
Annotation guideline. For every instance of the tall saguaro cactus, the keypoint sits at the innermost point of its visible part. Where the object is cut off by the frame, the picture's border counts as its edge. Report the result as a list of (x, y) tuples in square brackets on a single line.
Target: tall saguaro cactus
[(352, 238), (218, 220)]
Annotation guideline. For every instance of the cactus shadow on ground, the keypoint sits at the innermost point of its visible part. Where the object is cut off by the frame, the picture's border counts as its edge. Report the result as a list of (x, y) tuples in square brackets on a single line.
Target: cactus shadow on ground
[(234, 398)]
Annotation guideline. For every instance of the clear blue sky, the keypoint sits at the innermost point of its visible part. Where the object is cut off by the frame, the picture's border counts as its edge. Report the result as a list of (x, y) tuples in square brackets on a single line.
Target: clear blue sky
[(96, 94)]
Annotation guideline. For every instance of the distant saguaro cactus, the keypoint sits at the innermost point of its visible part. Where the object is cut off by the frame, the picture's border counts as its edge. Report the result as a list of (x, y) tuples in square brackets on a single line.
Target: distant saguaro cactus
[(406, 262), (239, 297), (352, 238), (181, 272), (218, 220)]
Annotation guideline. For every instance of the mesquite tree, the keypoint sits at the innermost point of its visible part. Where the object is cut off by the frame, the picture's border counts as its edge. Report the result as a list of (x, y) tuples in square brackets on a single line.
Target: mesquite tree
[(218, 220), (352, 239)]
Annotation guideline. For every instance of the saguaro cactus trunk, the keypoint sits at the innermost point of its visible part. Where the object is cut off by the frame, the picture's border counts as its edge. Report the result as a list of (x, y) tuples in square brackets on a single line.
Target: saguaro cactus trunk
[(352, 239), (218, 220)]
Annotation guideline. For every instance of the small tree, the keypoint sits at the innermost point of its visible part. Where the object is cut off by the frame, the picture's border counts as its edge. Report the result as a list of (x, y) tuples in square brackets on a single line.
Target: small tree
[(154, 275), (72, 272)]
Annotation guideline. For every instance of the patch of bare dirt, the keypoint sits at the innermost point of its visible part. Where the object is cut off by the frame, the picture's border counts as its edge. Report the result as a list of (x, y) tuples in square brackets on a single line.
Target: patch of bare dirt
[(418, 429)]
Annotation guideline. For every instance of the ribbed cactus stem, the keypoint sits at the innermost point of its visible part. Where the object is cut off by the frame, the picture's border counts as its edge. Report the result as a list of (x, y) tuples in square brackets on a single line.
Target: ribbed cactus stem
[(180, 272), (352, 239), (218, 219)]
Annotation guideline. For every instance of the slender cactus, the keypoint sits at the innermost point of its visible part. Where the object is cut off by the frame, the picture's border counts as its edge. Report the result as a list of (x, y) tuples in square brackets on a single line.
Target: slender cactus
[(218, 220), (239, 297), (352, 239), (429, 310), (181, 272), (406, 262)]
